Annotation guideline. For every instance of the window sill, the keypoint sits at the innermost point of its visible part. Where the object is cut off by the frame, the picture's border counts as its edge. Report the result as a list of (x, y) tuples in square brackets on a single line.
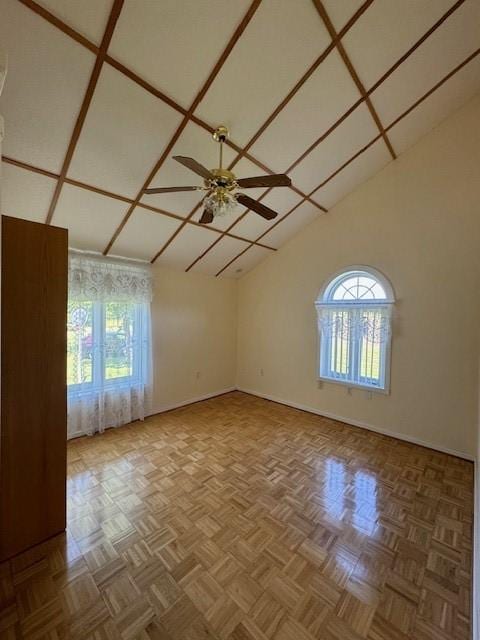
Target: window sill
[(356, 385)]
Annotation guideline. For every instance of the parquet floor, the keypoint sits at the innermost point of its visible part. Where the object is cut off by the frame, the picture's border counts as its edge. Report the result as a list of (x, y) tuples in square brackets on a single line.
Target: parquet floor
[(241, 519)]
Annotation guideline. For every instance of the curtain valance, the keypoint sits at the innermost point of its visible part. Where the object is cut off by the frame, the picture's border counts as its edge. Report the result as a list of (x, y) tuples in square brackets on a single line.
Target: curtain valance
[(371, 322), (106, 280)]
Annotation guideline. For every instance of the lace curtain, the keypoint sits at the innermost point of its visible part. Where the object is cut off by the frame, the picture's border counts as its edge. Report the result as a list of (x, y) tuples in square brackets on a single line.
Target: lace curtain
[(91, 278), (354, 342), (108, 344), (371, 323)]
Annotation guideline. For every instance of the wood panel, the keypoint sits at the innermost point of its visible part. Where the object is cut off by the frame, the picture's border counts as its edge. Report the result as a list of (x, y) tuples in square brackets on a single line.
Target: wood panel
[(33, 378), (241, 519)]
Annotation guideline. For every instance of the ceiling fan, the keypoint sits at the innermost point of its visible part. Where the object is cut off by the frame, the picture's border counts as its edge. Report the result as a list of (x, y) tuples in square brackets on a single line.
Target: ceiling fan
[(221, 186)]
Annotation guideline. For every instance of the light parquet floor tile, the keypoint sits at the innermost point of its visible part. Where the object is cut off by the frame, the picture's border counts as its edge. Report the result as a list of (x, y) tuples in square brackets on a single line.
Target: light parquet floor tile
[(241, 519)]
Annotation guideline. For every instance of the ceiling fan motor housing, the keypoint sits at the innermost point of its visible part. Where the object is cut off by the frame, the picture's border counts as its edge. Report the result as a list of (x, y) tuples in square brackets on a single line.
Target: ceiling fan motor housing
[(221, 133), (222, 178)]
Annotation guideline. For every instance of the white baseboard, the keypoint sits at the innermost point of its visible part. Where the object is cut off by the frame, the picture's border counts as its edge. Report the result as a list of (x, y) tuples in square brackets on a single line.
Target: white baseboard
[(170, 407), (325, 414), (184, 403), (357, 423)]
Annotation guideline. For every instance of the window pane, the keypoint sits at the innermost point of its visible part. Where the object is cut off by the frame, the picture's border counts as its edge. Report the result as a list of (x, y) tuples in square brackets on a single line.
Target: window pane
[(79, 342), (371, 347), (340, 345), (358, 287), (119, 337)]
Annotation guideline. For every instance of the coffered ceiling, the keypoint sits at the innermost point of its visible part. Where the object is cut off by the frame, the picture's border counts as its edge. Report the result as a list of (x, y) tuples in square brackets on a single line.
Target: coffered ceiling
[(101, 93)]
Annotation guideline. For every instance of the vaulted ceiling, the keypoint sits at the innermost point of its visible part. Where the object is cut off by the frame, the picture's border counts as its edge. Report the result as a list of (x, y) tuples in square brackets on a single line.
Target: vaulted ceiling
[(100, 95)]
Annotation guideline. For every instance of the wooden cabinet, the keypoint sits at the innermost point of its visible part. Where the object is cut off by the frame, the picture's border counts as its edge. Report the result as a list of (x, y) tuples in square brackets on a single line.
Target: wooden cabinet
[(33, 384)]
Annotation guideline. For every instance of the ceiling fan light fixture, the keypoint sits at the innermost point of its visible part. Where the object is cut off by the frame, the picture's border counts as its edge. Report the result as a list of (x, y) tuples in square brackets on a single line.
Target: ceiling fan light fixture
[(220, 202), (221, 186)]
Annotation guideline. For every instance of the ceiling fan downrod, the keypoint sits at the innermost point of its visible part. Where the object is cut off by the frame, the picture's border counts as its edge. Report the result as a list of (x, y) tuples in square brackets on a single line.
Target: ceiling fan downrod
[(220, 135)]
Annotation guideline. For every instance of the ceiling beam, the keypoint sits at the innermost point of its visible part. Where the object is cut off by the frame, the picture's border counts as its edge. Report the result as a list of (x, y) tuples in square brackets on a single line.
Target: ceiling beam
[(59, 24), (403, 115), (69, 31), (384, 77), (400, 117), (349, 111), (415, 46), (352, 71), (313, 67), (102, 51), (244, 152), (198, 98), (225, 233), (116, 196)]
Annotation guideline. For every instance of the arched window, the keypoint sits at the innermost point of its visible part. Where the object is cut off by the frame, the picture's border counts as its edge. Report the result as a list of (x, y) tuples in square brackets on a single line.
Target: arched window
[(354, 322)]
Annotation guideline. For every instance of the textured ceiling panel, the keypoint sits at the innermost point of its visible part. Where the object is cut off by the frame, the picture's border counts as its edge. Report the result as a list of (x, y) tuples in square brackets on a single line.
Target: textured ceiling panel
[(219, 255), (314, 109), (386, 31), (350, 136), (269, 70), (187, 245), (358, 171), (303, 215), (143, 235), (88, 17), (47, 77), (275, 50), (89, 217), (246, 262), (174, 44), (436, 107), (124, 134), (341, 11), (25, 194), (442, 52)]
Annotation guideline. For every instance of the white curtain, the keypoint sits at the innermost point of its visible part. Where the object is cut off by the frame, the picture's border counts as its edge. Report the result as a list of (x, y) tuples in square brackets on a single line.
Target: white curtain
[(108, 343)]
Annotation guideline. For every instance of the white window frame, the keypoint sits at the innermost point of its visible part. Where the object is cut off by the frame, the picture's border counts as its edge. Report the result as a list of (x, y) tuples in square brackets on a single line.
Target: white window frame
[(98, 363), (325, 301)]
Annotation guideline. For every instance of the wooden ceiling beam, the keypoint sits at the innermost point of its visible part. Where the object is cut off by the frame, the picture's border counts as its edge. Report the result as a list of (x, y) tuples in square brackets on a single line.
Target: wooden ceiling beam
[(116, 196), (384, 77), (400, 117), (352, 71), (186, 119), (364, 98), (225, 233), (405, 113), (313, 67), (415, 46), (30, 167), (244, 152), (75, 35), (102, 51), (343, 117), (59, 24)]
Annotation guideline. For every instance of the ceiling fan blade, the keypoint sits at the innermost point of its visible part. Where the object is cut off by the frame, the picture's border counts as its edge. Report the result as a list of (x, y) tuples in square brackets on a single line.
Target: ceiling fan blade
[(278, 180), (171, 189), (194, 166), (256, 206), (207, 217)]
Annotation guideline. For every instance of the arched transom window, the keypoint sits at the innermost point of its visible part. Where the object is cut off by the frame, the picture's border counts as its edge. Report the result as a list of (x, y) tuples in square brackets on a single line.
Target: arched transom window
[(354, 321)]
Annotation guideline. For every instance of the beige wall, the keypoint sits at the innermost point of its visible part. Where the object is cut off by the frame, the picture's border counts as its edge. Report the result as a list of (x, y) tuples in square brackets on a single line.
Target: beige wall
[(418, 222), (194, 330)]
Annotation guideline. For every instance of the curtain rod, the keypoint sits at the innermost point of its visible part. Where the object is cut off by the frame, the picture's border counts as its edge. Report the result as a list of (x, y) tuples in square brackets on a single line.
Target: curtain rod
[(110, 258)]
